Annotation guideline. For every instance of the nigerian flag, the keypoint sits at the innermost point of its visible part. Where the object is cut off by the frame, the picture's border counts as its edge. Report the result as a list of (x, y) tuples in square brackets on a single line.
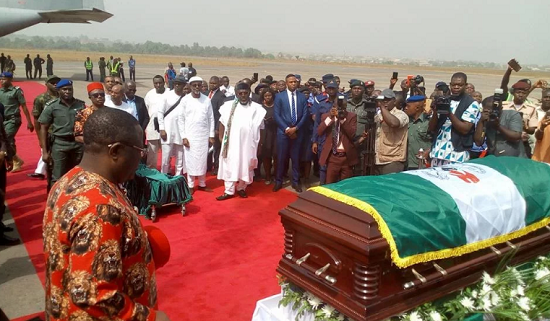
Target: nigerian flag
[(449, 211)]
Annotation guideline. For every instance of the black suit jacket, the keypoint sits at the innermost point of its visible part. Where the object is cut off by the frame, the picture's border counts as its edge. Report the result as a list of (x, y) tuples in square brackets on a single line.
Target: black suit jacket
[(218, 99), (143, 114)]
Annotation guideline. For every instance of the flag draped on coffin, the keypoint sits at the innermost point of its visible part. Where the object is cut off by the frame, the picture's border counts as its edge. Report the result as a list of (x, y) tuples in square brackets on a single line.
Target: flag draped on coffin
[(449, 211)]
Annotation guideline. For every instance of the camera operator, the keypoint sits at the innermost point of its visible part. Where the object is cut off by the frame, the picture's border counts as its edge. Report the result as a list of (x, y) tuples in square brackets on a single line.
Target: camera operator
[(391, 136), (500, 129), (418, 136), (338, 153), (528, 111), (319, 108), (452, 124)]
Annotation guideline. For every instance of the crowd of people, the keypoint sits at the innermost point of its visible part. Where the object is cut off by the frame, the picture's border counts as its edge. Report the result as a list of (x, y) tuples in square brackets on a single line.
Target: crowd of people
[(8, 65), (266, 129)]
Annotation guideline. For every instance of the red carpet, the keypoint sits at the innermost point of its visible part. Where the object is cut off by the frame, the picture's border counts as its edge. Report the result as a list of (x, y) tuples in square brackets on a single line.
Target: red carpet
[(224, 254)]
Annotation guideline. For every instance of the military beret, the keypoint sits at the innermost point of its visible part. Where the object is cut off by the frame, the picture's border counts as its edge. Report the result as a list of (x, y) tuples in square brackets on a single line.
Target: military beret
[(53, 77), (356, 82), (64, 83), (6, 74), (521, 85), (369, 83), (416, 98)]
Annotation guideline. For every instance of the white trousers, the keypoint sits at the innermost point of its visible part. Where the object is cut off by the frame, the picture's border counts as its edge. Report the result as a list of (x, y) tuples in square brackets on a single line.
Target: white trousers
[(230, 187), (41, 167), (172, 150), (191, 180), (153, 148)]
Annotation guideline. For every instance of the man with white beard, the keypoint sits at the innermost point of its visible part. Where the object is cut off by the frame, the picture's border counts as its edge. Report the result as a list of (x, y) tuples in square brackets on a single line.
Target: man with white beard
[(240, 123), (154, 99), (170, 134), (196, 125)]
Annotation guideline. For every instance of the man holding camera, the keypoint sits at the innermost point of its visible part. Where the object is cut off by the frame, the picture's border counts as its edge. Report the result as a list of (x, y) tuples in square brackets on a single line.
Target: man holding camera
[(391, 136), (338, 153), (452, 124), (501, 128), (320, 108)]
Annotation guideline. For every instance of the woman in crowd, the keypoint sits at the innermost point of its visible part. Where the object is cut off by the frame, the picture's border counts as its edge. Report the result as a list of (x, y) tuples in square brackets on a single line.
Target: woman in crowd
[(268, 151)]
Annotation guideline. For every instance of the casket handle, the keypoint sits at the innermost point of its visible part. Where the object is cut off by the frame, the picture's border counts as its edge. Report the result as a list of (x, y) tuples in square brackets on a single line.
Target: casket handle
[(511, 245), (322, 270), (302, 259), (419, 276), (440, 269)]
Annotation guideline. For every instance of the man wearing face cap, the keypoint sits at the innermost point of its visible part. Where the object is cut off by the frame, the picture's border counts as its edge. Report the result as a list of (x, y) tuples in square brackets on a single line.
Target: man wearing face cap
[(239, 131), (60, 114), (196, 125)]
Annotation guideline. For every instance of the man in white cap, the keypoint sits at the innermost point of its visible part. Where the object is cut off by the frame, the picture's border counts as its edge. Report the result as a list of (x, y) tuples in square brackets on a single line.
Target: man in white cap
[(196, 125)]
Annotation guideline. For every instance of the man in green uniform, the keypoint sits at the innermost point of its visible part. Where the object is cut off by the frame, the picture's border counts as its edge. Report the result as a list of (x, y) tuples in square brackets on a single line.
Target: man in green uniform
[(43, 169), (102, 66), (420, 140), (13, 99), (60, 113)]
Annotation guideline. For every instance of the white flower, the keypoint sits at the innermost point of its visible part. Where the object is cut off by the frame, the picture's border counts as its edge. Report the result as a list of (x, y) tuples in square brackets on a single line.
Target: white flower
[(520, 289), (314, 301), (524, 316), (486, 303), (487, 279), (495, 299), (435, 316), (414, 316), (486, 289), (539, 274), (542, 258), (474, 294), (513, 293), (517, 275), (524, 304), (467, 303), (341, 317), (327, 311)]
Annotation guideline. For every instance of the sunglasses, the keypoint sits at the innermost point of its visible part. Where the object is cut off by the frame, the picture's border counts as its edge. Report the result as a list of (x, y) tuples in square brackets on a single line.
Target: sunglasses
[(98, 95), (142, 151)]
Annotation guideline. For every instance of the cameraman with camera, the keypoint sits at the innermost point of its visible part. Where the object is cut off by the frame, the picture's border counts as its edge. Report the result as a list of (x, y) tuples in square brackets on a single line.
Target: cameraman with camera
[(320, 107), (452, 124), (338, 152), (500, 129)]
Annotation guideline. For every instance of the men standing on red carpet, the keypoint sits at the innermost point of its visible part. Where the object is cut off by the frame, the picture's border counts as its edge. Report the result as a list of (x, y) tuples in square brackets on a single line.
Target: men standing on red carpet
[(6, 162), (98, 257), (240, 123)]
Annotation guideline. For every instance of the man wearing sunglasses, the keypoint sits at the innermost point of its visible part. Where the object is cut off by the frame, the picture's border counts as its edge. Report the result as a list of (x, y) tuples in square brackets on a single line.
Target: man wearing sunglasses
[(40, 101), (96, 93), (60, 114)]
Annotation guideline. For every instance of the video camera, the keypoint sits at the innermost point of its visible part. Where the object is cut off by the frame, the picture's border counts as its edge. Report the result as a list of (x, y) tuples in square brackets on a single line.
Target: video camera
[(341, 109), (443, 105), (497, 104), (369, 111), (413, 81)]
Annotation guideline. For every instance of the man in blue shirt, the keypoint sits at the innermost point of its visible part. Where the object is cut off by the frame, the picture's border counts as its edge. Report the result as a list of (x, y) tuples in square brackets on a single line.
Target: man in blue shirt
[(132, 66)]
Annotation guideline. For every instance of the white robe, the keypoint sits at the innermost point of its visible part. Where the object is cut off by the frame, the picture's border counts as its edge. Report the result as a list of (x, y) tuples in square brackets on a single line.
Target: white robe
[(153, 102), (170, 123), (196, 124), (243, 142)]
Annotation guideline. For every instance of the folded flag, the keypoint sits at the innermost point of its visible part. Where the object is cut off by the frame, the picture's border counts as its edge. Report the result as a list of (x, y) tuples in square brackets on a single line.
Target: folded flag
[(448, 211)]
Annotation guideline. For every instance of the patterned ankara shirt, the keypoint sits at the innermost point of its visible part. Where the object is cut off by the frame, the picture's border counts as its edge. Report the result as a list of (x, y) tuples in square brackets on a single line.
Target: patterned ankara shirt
[(99, 263), (81, 118), (444, 149)]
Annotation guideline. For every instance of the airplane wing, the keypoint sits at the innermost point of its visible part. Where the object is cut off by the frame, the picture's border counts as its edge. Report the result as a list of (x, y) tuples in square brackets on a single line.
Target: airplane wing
[(75, 16)]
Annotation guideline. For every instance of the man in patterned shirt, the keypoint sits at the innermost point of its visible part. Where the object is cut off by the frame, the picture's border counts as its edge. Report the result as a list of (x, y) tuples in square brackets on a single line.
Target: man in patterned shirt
[(99, 263), (96, 93), (454, 131)]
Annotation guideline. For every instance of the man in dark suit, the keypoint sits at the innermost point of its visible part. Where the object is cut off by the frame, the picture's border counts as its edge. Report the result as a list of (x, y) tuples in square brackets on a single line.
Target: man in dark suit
[(290, 114), (217, 98), (339, 153), (138, 102)]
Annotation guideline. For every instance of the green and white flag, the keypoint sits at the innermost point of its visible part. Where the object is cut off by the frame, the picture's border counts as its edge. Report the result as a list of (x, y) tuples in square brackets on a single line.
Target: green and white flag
[(452, 210)]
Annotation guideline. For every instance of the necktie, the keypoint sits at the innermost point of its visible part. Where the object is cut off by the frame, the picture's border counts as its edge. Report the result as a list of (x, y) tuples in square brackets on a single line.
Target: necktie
[(293, 111), (210, 95), (335, 129)]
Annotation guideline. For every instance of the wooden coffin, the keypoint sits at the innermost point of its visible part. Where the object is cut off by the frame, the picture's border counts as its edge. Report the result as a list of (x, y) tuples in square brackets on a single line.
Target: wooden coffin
[(336, 252)]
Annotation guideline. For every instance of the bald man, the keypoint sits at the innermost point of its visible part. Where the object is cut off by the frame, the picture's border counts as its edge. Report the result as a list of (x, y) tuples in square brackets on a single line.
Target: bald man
[(117, 96), (137, 102)]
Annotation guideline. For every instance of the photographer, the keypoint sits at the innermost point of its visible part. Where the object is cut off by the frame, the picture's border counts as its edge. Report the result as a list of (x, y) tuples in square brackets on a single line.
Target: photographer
[(527, 110), (452, 124), (338, 153), (501, 129), (319, 108), (391, 136)]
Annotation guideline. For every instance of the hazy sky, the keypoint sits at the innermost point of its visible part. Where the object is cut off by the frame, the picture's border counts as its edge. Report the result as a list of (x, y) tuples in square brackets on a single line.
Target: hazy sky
[(482, 30)]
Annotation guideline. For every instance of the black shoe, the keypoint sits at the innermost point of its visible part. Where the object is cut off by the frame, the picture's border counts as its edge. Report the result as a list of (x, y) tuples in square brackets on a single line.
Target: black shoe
[(297, 188), (224, 197), (205, 189), (242, 194), (36, 175), (8, 241), (6, 228), (277, 187)]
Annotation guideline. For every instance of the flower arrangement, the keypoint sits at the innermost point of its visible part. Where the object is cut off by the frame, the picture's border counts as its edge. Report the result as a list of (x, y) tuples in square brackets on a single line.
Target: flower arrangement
[(520, 293)]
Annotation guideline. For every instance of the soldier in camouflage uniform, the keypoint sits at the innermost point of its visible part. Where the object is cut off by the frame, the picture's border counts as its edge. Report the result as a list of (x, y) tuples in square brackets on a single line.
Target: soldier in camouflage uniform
[(60, 114), (13, 99), (42, 169)]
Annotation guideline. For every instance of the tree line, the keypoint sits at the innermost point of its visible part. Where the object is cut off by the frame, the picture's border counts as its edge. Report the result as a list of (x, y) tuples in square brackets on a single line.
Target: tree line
[(148, 47)]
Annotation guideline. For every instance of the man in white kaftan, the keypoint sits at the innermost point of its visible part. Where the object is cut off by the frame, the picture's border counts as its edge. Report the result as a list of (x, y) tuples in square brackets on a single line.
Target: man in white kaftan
[(240, 123), (170, 134), (196, 125), (154, 100)]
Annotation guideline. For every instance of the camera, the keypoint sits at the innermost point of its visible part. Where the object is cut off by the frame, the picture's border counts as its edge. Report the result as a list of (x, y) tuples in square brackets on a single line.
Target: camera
[(369, 111), (497, 104), (418, 79), (341, 110), (443, 105)]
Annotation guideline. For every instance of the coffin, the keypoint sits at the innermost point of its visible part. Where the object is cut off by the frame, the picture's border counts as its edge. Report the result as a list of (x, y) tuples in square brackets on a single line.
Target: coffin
[(352, 257)]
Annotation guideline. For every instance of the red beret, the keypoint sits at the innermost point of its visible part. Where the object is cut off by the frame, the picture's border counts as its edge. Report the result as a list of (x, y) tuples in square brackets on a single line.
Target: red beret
[(369, 83), (95, 85), (160, 246), (521, 85)]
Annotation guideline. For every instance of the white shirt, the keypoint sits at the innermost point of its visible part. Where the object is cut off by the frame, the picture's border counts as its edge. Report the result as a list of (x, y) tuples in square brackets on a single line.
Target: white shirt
[(295, 102), (124, 107), (229, 90), (170, 122), (153, 101), (184, 71)]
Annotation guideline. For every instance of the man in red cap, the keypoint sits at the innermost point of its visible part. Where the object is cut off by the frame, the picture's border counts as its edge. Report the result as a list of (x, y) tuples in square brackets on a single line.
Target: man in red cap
[(369, 88), (96, 93), (527, 110)]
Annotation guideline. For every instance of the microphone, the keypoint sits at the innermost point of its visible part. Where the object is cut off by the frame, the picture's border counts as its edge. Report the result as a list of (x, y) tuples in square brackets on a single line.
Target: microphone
[(160, 246)]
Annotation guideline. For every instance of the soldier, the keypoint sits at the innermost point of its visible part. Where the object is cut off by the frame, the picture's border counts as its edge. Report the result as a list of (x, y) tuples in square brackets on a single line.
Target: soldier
[(102, 65), (60, 113), (43, 169), (13, 99), (49, 66), (38, 62)]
